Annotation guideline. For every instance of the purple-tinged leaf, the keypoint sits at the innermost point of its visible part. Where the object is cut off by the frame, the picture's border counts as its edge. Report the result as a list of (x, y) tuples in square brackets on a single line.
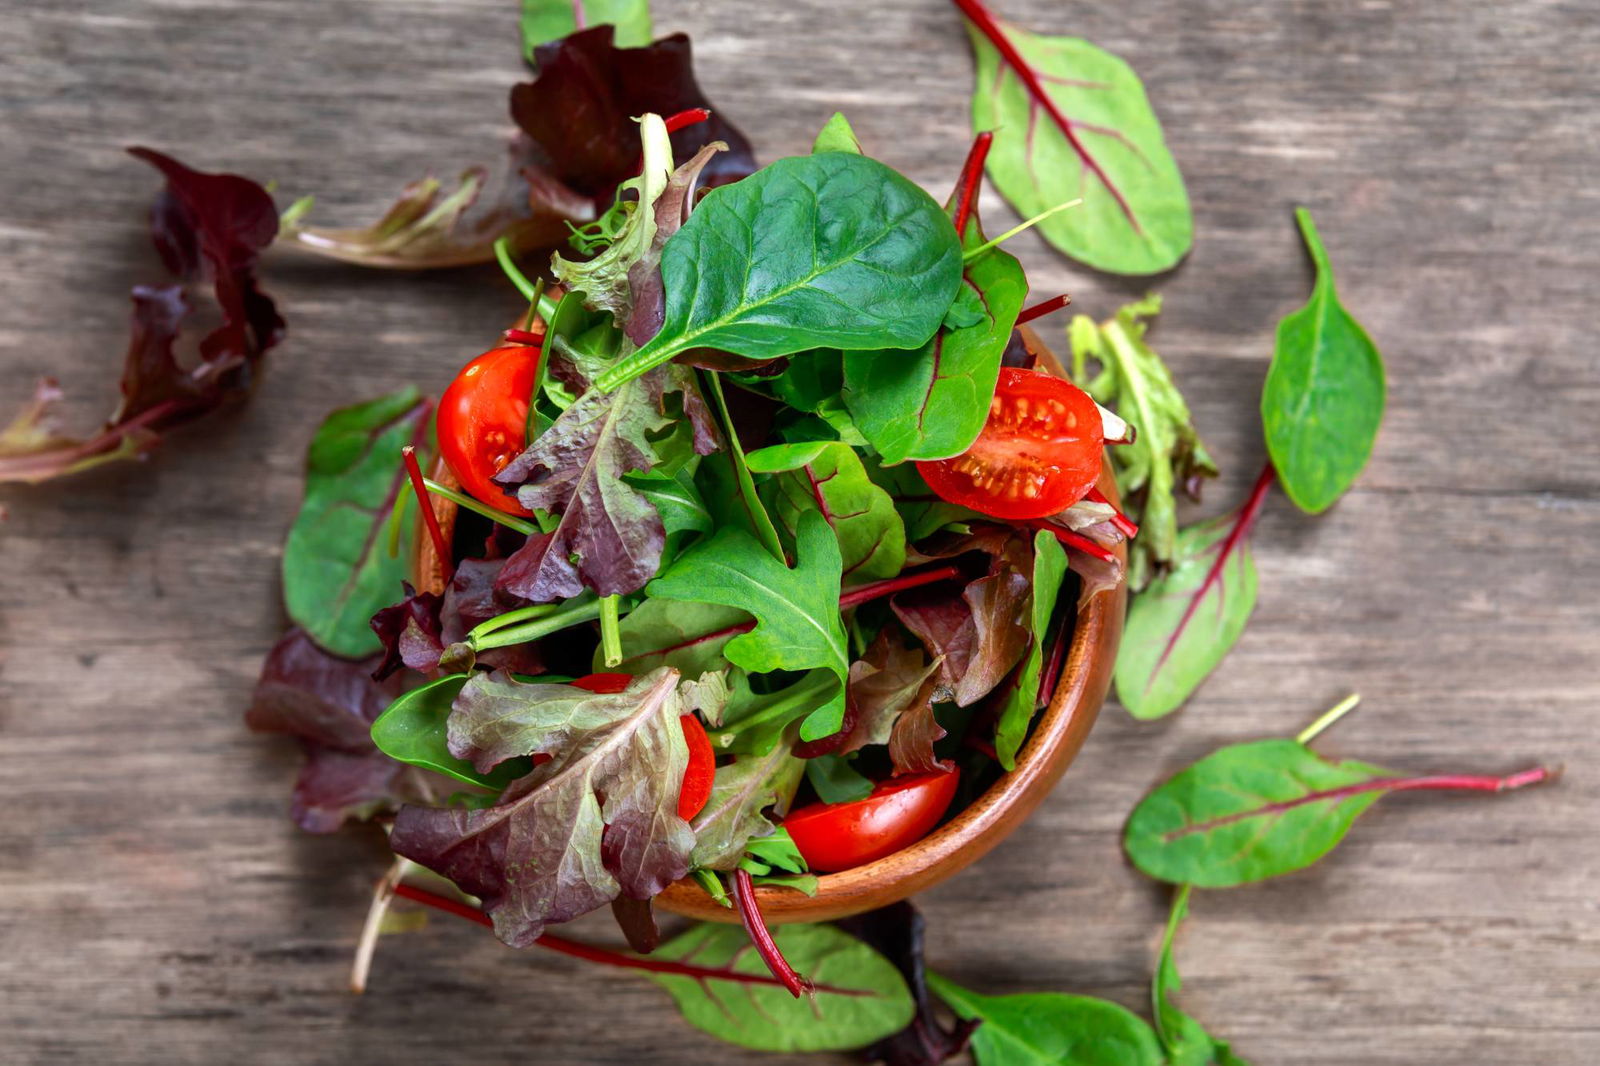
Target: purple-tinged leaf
[(410, 632), (897, 932), (743, 795), (889, 681)]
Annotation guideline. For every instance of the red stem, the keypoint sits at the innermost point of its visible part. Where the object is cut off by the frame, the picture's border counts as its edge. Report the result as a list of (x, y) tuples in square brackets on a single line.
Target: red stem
[(1058, 658), (431, 520), (991, 29), (1437, 783), (579, 950), (876, 590), (744, 894), (1042, 308), (1076, 540), (971, 175), (522, 336), (684, 119), (1120, 520)]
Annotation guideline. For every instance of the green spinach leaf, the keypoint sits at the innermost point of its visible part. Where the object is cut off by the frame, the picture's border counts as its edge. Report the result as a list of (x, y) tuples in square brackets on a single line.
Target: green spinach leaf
[(1185, 1040), (827, 478), (1051, 1029), (837, 136), (336, 571), (1049, 570), (832, 249), (1324, 394), (544, 21), (1071, 120), (413, 730), (860, 995)]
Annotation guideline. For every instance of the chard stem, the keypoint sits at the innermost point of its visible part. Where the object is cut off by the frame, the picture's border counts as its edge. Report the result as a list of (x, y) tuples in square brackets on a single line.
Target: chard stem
[(461, 499), (744, 894), (995, 242), (1328, 717), (431, 520)]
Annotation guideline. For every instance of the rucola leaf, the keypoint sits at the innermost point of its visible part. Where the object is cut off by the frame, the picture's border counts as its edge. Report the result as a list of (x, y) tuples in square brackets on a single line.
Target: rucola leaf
[(336, 571), (544, 21), (819, 250), (686, 636), (1071, 120), (797, 610), (1166, 455), (1252, 811), (1183, 624), (827, 478), (598, 820), (1324, 394), (860, 996), (1047, 1028), (1049, 569)]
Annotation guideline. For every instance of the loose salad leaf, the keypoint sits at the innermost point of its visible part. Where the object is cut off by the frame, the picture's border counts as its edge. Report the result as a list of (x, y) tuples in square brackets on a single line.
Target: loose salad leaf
[(743, 793), (797, 610), (670, 208), (1166, 455), (832, 250), (827, 478), (1252, 811), (206, 227), (860, 997), (1186, 621), (598, 820), (337, 572), (1049, 570), (1324, 394), (1049, 1027), (544, 21), (897, 932), (837, 136), (933, 403), (1072, 120), (1185, 1040)]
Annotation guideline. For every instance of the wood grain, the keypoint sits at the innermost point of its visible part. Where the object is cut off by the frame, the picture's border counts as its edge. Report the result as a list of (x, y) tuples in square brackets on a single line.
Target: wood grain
[(155, 905)]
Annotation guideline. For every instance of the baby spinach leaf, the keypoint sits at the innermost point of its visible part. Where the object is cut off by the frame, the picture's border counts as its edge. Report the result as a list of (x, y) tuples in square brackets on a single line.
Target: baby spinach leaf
[(835, 780), (860, 996), (1324, 394), (544, 21), (1049, 569), (413, 730), (827, 478), (1252, 811), (932, 403), (742, 793), (1185, 1040), (1071, 120), (797, 610), (336, 572), (1049, 1028), (598, 820), (1186, 621), (1166, 454), (837, 136), (832, 249)]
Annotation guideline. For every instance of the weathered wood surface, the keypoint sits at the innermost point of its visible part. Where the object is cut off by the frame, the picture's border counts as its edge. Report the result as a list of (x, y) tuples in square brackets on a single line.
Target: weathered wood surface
[(155, 906)]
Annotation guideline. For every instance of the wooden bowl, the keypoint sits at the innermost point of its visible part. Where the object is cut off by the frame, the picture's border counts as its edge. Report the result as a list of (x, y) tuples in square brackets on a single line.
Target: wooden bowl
[(1057, 735)]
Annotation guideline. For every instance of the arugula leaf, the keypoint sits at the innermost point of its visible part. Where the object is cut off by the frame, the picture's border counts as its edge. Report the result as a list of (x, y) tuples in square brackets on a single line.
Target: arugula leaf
[(544, 21), (1252, 811), (827, 478), (860, 996), (837, 136), (1324, 394), (686, 636), (1166, 455), (776, 851), (835, 780), (933, 403), (1049, 569), (336, 573), (598, 820), (833, 249), (1048, 1027), (736, 814), (412, 730), (1186, 621), (1184, 1039), (1071, 120), (797, 610)]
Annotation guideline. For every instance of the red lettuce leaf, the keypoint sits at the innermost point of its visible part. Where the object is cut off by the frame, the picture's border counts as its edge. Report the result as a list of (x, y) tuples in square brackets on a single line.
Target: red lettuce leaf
[(206, 227), (412, 633)]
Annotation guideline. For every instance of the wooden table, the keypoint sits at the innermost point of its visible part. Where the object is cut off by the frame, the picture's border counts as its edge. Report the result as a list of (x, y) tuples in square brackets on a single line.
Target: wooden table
[(156, 906)]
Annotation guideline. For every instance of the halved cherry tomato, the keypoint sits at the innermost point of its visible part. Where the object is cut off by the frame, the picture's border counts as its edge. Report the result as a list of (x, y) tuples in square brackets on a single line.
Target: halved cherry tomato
[(899, 812), (1038, 454), (483, 420), (702, 768)]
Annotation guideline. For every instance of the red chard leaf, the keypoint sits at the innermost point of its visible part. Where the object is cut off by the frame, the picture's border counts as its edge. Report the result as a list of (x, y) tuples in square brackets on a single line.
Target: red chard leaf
[(411, 633)]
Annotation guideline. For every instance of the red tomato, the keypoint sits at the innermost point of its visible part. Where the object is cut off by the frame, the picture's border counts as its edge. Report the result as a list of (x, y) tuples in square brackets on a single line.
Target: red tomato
[(702, 768), (483, 420), (1038, 454), (900, 811)]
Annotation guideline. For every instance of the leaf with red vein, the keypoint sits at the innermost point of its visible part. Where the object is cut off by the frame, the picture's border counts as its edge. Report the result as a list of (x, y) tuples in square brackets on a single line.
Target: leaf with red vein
[(1252, 811), (1071, 120), (827, 477)]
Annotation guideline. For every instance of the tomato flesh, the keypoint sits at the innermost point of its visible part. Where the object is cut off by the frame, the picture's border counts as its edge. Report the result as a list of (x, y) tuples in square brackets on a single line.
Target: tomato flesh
[(702, 769), (483, 420), (1039, 453), (898, 813)]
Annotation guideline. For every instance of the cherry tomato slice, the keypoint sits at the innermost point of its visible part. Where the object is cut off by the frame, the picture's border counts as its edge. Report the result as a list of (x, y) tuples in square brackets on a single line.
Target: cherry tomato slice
[(899, 812), (701, 771), (483, 420), (1038, 454)]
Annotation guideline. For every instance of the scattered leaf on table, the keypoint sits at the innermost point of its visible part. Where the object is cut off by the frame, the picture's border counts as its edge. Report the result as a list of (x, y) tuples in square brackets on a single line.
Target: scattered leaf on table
[(544, 21), (1185, 1040), (1051, 1029)]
